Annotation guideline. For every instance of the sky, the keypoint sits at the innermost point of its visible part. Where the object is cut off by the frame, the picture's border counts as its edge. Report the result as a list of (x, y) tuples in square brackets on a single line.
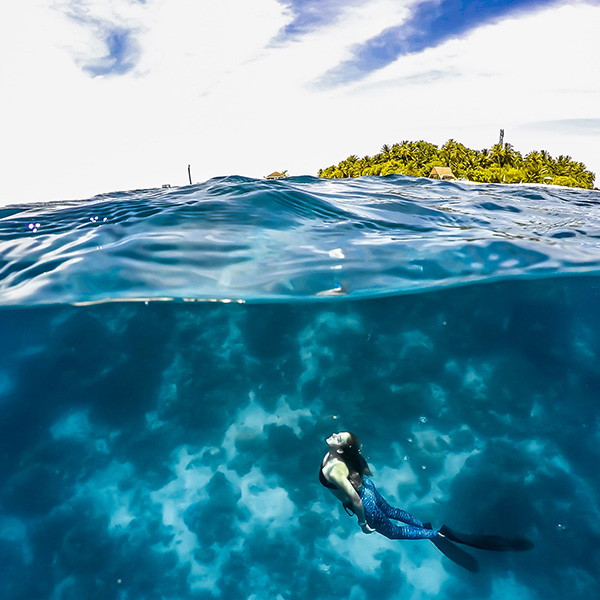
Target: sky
[(106, 95)]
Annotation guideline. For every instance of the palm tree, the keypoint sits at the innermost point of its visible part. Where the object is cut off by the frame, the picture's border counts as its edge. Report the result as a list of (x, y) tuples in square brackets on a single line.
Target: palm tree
[(562, 165), (454, 155), (535, 168), (386, 153), (483, 158), (505, 156)]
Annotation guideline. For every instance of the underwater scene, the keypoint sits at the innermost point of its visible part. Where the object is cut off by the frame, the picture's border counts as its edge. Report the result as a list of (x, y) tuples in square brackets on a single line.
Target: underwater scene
[(172, 362)]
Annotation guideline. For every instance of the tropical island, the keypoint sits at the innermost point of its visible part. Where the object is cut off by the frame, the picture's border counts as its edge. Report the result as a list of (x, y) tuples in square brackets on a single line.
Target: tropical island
[(501, 164)]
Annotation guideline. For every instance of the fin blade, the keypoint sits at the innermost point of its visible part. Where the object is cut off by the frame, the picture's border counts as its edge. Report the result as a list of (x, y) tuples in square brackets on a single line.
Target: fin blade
[(494, 543)]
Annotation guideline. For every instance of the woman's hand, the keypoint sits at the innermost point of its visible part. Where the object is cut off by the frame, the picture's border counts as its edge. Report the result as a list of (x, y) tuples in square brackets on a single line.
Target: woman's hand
[(365, 528)]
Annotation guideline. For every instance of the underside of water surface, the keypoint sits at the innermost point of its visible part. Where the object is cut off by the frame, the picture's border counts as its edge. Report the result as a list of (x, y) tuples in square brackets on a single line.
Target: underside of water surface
[(169, 450), (296, 239)]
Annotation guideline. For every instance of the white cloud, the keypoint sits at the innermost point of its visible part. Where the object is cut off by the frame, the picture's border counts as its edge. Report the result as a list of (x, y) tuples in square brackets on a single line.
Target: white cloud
[(510, 74), (211, 91)]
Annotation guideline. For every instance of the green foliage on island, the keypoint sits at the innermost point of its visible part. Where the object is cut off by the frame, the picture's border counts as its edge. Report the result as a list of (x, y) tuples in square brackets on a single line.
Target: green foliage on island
[(501, 164)]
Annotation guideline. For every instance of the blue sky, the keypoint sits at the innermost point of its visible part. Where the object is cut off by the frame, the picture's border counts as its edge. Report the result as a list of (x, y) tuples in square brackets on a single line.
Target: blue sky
[(213, 83), (429, 24)]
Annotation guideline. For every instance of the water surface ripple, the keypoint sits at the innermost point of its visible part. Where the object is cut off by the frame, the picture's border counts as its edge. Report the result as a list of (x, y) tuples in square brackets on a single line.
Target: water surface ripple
[(302, 237)]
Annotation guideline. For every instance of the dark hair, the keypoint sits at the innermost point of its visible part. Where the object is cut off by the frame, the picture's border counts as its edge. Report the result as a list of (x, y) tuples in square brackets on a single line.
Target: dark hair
[(354, 460)]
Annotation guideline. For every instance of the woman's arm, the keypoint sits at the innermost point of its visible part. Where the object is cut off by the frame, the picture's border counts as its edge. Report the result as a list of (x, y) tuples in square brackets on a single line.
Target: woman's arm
[(338, 474)]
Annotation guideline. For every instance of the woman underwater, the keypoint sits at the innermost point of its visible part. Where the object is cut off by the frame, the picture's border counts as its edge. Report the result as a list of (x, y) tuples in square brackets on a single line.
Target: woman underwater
[(344, 471)]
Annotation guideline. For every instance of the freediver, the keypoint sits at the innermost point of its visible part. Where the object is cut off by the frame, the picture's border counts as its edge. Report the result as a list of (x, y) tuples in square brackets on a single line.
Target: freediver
[(345, 472)]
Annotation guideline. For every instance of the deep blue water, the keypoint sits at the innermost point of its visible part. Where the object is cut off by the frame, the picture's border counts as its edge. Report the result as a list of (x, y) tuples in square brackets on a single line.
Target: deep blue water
[(170, 450)]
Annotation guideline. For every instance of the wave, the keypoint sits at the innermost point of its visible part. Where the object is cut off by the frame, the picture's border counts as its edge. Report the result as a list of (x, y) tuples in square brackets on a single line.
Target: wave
[(235, 238)]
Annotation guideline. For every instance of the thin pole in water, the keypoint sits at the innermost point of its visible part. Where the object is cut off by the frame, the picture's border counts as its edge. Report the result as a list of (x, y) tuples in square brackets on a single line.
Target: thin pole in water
[(190, 174)]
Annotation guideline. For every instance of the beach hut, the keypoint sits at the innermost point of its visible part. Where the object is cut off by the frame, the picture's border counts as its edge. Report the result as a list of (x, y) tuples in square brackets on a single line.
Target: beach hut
[(277, 175), (442, 173)]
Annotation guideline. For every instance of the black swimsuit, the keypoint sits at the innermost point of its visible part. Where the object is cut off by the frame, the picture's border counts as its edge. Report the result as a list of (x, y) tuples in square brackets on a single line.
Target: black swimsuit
[(323, 480)]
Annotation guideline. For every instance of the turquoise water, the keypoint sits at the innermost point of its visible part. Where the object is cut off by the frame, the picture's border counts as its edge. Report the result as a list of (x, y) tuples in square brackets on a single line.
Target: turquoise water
[(170, 449)]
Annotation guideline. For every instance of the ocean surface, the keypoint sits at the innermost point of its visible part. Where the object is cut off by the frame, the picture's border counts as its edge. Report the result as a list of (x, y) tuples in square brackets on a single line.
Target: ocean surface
[(172, 360)]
